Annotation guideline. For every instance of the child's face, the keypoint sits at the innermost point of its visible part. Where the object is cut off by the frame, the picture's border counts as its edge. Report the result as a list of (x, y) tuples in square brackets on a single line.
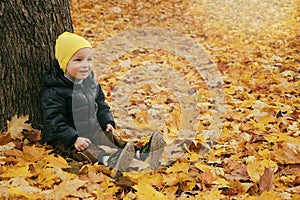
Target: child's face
[(80, 65)]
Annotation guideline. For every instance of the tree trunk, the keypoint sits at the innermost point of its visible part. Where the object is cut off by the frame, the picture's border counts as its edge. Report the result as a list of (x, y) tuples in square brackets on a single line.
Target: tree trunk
[(29, 29)]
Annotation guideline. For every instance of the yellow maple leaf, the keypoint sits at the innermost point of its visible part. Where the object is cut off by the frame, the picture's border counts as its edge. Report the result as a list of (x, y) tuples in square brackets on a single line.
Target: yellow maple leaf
[(200, 138), (281, 137), (266, 119), (146, 176), (214, 195), (146, 191), (16, 125), (230, 91), (170, 192), (247, 103), (174, 179), (204, 167), (107, 193), (221, 182), (258, 125), (269, 195), (256, 168), (193, 156), (21, 193), (135, 175), (19, 170), (179, 167), (47, 177), (56, 161)]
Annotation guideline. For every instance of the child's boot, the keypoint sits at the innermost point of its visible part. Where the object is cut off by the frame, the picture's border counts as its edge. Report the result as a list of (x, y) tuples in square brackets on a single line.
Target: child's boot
[(152, 149), (121, 160)]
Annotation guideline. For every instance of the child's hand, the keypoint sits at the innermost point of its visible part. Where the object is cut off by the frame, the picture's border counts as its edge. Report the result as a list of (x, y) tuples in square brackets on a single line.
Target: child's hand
[(82, 143), (109, 127)]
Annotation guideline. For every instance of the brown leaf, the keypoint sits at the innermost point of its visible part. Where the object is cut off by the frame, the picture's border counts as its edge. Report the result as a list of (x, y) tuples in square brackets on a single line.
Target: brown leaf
[(287, 153), (207, 177), (32, 135), (32, 153), (297, 180), (94, 177), (124, 181), (222, 66), (295, 115), (5, 138), (237, 170), (261, 88), (266, 180)]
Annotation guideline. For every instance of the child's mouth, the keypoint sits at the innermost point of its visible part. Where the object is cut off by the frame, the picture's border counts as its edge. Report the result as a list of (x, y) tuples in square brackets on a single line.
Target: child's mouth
[(83, 71)]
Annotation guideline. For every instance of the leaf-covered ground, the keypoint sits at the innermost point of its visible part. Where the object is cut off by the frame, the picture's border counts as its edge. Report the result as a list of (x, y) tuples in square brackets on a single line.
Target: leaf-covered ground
[(255, 47)]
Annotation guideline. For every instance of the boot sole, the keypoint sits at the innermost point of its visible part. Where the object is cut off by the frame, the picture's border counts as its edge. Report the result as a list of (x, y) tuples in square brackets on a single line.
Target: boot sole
[(156, 150), (124, 159)]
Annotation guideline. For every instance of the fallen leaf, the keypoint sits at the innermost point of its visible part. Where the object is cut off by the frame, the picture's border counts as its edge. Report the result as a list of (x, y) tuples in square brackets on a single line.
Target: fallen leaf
[(16, 126), (66, 188), (8, 146), (5, 138), (288, 152), (19, 170), (256, 168), (217, 194), (55, 161), (145, 191), (179, 167), (293, 189), (266, 180)]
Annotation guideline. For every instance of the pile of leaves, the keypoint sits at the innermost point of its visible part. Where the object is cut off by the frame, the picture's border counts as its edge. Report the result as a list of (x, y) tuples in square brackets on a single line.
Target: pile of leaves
[(255, 46)]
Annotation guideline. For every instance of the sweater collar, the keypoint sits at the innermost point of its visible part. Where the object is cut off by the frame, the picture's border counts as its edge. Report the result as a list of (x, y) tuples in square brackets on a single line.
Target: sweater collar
[(73, 80)]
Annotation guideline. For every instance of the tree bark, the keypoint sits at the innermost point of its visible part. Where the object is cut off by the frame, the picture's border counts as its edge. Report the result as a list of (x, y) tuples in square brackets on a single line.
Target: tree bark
[(29, 29)]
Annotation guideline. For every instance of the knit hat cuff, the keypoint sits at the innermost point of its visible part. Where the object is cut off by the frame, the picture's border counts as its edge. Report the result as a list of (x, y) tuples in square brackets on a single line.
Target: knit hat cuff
[(64, 61)]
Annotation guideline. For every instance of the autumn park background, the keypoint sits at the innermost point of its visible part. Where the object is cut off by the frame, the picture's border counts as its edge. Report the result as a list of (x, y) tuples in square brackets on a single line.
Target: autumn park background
[(254, 46)]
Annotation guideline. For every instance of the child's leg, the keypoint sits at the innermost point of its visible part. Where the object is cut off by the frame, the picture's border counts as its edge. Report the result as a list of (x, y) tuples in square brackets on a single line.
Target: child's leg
[(107, 139), (152, 149), (81, 156), (121, 159)]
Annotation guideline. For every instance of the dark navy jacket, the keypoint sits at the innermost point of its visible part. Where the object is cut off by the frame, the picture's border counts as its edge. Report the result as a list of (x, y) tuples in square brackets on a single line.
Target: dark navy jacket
[(72, 109)]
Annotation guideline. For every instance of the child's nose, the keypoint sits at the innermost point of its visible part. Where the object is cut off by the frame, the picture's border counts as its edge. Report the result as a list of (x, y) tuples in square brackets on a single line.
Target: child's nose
[(85, 64)]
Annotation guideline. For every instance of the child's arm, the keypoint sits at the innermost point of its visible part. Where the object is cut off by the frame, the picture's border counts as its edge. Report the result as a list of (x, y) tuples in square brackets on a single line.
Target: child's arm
[(56, 127), (103, 114)]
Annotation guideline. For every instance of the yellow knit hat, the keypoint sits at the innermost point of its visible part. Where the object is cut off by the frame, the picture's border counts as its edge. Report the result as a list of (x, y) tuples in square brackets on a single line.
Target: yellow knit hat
[(67, 44)]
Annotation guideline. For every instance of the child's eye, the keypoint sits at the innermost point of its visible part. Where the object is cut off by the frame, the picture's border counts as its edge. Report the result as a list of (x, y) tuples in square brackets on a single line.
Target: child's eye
[(90, 59), (77, 60)]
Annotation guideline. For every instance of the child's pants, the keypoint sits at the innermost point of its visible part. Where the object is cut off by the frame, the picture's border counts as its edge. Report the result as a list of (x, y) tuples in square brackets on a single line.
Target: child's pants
[(93, 153)]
